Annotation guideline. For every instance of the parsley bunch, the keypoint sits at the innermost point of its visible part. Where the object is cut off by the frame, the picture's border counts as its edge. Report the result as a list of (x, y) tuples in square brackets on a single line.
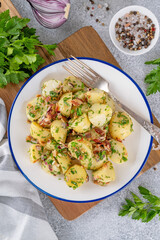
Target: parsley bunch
[(138, 209), (153, 78), (19, 57)]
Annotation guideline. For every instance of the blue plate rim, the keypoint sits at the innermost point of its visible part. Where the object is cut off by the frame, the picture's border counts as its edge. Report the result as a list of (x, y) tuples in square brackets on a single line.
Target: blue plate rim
[(9, 138)]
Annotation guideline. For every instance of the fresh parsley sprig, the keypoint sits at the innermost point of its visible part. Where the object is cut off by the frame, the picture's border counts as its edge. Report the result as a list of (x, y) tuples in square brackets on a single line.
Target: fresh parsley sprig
[(19, 57), (153, 78), (138, 209)]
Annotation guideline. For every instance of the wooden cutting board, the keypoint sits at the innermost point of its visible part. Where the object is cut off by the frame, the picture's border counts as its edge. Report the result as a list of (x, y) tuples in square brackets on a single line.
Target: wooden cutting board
[(84, 43)]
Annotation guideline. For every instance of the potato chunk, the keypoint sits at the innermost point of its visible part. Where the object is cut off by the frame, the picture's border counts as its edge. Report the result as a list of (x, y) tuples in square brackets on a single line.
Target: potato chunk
[(52, 88), (59, 131), (72, 84), (39, 133), (118, 152), (80, 149), (95, 96), (65, 104), (64, 160), (104, 175), (99, 114), (79, 95), (80, 124), (50, 145), (35, 152), (120, 125), (75, 176), (79, 110), (50, 165), (35, 108), (109, 101)]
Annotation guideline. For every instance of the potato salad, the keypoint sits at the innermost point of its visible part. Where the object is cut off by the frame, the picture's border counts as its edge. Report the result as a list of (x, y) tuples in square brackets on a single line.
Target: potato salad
[(75, 129)]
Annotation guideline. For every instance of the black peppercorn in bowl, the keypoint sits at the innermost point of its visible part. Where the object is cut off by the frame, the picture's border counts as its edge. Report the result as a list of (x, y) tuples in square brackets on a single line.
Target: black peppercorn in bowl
[(134, 30)]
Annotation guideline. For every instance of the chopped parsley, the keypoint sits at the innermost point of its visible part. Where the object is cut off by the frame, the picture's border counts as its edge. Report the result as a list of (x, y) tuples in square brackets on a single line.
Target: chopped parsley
[(53, 94), (102, 154), (124, 120), (79, 111), (73, 171), (57, 130), (32, 115)]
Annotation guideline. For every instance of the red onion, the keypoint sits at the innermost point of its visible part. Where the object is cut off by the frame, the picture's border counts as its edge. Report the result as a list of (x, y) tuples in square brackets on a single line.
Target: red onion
[(50, 13)]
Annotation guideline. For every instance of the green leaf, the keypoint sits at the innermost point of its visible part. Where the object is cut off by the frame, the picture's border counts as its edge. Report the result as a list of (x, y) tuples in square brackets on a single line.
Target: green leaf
[(131, 211), (4, 42), (140, 205), (29, 32), (153, 199), (39, 61), (2, 59), (5, 15), (150, 216), (125, 207), (25, 58), (156, 61), (153, 79), (155, 85), (9, 50), (123, 212), (3, 80), (144, 191), (149, 77), (18, 44), (15, 24), (136, 215), (16, 76), (143, 214), (136, 198), (50, 48), (130, 203), (30, 43)]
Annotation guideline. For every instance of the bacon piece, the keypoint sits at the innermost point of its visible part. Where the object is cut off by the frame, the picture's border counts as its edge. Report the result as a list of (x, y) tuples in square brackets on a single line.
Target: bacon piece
[(119, 140), (77, 102), (80, 157), (47, 99), (103, 146), (31, 140), (57, 108), (61, 117), (88, 135), (38, 147), (47, 119), (99, 131)]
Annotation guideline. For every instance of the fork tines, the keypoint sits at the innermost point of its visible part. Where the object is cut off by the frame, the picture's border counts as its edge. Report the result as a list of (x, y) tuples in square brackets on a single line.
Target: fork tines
[(79, 69)]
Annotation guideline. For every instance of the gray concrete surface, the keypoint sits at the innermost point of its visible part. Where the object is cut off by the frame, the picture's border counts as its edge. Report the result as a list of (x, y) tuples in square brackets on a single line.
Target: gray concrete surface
[(102, 222)]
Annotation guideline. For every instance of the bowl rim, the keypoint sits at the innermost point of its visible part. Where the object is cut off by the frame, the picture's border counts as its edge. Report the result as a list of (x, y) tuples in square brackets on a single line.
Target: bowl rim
[(9, 137), (133, 53)]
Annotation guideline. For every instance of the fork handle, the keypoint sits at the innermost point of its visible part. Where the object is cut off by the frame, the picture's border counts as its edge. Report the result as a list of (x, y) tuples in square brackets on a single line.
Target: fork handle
[(151, 128)]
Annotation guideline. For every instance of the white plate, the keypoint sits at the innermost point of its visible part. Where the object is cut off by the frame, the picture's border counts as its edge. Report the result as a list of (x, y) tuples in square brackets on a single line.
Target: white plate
[(138, 143), (121, 13)]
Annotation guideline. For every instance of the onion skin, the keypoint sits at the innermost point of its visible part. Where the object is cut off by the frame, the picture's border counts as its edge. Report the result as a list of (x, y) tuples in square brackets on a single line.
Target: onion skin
[(49, 21), (50, 13)]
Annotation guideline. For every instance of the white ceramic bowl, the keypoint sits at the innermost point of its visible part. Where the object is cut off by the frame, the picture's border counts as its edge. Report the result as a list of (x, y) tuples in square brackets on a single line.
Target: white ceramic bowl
[(138, 143), (121, 13)]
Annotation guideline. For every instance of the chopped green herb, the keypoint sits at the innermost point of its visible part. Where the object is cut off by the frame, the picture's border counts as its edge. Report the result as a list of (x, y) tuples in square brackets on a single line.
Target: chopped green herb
[(79, 111), (57, 130), (32, 114), (53, 94)]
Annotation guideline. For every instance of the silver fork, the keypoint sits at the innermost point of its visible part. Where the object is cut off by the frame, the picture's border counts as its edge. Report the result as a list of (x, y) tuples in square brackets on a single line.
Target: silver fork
[(91, 78)]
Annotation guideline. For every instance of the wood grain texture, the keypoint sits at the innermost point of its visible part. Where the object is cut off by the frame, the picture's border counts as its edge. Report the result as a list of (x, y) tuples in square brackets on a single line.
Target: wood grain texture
[(84, 43)]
